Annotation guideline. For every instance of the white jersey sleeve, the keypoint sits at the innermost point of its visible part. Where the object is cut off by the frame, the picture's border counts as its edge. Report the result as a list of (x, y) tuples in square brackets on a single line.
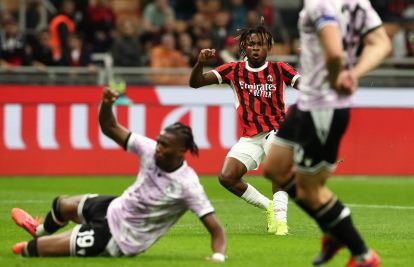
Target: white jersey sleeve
[(359, 13), (140, 145), (371, 19), (322, 13), (196, 199)]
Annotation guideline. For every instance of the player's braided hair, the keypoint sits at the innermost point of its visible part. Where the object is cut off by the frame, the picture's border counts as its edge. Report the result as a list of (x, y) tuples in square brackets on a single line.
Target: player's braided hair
[(260, 30), (186, 133)]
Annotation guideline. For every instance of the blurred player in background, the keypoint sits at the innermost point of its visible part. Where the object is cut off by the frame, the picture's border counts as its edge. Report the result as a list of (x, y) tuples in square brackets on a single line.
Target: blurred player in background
[(258, 86), (330, 34), (166, 187)]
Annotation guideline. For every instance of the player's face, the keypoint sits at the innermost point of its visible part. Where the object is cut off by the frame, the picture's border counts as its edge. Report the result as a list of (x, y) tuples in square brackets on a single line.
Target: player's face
[(167, 151), (256, 50)]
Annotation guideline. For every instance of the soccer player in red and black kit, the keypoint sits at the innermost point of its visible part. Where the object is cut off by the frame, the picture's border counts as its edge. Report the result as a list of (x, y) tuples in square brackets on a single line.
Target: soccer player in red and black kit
[(258, 85)]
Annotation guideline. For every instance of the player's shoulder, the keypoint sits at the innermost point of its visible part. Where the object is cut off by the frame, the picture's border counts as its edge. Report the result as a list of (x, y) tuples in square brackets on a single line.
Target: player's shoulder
[(316, 8), (138, 139), (282, 64), (363, 4), (228, 65), (189, 177), (277, 62), (137, 142)]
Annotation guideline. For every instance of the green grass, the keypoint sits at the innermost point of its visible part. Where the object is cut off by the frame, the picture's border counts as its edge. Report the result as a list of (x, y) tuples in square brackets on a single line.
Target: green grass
[(383, 210)]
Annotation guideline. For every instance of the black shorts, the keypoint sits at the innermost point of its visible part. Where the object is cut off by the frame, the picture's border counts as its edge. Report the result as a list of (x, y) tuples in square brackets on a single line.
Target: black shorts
[(315, 136), (91, 238)]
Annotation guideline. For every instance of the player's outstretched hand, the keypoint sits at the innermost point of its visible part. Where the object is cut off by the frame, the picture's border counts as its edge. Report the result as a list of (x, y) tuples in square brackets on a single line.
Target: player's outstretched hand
[(216, 257), (206, 54), (109, 96)]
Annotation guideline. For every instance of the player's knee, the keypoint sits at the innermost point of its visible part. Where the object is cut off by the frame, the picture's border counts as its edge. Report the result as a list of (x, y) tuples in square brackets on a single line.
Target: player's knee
[(62, 202), (67, 206), (302, 195), (308, 196), (223, 180), (57, 208), (227, 180)]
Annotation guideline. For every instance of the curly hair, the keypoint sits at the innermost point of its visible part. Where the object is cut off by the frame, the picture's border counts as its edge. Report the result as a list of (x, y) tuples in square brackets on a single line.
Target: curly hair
[(244, 34), (186, 134)]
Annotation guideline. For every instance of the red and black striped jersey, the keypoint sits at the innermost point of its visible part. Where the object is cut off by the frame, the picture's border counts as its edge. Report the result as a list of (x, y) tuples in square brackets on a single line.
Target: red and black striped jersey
[(258, 93)]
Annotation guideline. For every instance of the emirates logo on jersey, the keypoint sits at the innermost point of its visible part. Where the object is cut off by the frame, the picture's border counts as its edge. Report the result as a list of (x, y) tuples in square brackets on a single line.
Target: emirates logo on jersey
[(262, 90), (269, 78)]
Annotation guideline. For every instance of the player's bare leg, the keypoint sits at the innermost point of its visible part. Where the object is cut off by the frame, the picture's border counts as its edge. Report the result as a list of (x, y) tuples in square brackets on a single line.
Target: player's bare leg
[(278, 165), (45, 246), (64, 209), (231, 178), (311, 189), (54, 245), (333, 218), (69, 208)]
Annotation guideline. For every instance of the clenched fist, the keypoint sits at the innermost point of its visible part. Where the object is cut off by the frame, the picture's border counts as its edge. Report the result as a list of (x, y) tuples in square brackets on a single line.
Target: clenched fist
[(109, 96), (206, 54)]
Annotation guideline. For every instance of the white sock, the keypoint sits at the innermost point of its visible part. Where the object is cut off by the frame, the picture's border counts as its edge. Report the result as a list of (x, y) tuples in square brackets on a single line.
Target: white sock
[(280, 202), (255, 198), (40, 231)]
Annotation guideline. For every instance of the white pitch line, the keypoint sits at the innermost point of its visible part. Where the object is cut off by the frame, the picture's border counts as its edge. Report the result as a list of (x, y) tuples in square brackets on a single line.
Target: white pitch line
[(352, 205), (380, 206), (14, 201)]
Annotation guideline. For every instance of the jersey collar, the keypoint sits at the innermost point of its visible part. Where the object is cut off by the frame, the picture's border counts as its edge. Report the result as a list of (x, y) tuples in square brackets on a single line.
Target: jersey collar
[(256, 69), (177, 171)]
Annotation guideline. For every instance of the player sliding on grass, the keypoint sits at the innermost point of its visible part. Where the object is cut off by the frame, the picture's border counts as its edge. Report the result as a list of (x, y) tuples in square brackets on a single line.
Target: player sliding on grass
[(331, 31), (258, 87), (166, 187)]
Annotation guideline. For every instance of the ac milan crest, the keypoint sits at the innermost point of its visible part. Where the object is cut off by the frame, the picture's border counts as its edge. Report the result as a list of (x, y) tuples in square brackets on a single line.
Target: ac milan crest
[(269, 78)]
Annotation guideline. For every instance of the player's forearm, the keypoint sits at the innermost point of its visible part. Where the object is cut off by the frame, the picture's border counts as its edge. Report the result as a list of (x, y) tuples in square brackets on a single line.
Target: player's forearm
[(334, 66), (371, 57), (196, 77), (330, 38), (377, 46), (107, 119)]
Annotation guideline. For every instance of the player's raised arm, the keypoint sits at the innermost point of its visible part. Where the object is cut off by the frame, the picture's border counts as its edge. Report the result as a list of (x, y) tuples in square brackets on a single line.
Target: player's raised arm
[(107, 120), (198, 78), (218, 238)]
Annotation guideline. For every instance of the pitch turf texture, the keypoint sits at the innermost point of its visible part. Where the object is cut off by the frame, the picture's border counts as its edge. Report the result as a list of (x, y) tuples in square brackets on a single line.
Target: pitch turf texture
[(383, 210)]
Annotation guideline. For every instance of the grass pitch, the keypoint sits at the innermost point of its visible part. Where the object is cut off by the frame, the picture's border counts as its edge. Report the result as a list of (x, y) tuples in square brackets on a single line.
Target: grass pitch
[(383, 210)]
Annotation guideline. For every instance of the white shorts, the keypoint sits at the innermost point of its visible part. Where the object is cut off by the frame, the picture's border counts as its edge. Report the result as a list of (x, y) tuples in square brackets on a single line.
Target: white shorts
[(251, 150)]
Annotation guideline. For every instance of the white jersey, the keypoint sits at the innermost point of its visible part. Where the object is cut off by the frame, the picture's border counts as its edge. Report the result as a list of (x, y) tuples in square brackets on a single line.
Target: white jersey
[(354, 18), (157, 199)]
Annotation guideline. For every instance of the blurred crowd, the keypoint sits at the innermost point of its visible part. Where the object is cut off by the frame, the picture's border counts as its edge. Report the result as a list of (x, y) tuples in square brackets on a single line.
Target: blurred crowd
[(163, 33)]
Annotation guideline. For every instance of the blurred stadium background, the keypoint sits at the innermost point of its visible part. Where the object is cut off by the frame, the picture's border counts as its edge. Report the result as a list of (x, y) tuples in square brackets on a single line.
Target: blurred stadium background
[(51, 79), (55, 56)]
